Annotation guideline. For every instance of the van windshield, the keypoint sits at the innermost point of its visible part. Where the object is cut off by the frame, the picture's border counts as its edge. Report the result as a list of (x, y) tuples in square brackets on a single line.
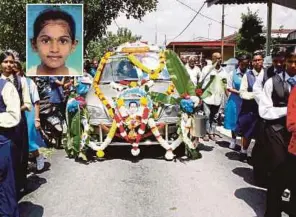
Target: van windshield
[(119, 68)]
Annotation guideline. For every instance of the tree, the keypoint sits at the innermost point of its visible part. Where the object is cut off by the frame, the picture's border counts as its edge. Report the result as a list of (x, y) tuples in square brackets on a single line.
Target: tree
[(97, 48), (98, 14), (249, 38)]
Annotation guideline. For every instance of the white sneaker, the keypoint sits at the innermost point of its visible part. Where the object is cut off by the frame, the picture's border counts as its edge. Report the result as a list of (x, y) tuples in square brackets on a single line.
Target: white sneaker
[(232, 144), (40, 162), (243, 151)]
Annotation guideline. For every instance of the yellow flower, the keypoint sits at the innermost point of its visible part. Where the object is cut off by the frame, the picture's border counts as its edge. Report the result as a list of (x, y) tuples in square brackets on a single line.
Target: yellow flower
[(143, 101), (112, 130), (133, 84), (110, 111), (154, 76), (105, 102), (100, 153), (120, 102)]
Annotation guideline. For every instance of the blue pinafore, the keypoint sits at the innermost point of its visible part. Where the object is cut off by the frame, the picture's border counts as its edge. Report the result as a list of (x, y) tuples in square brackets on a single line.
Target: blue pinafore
[(8, 202), (35, 139), (249, 113), (234, 102)]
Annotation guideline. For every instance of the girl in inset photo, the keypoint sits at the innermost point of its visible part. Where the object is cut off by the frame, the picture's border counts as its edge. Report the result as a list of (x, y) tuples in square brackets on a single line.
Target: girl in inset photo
[(54, 40)]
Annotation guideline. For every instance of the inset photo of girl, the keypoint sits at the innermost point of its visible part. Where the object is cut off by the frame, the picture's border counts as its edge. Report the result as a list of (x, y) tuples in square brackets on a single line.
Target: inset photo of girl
[(54, 39)]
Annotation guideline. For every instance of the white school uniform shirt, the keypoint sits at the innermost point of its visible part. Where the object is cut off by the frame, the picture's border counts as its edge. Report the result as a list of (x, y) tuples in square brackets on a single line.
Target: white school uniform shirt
[(193, 73), (25, 90), (266, 109), (12, 116), (244, 93), (216, 98), (34, 95)]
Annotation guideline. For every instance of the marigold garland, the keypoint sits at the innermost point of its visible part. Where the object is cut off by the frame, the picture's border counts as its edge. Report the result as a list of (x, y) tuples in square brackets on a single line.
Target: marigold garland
[(171, 89), (98, 91), (153, 74)]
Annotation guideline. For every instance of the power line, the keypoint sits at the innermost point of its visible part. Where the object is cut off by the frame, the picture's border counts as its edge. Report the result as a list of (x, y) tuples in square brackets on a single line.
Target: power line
[(210, 18), (116, 24), (191, 21)]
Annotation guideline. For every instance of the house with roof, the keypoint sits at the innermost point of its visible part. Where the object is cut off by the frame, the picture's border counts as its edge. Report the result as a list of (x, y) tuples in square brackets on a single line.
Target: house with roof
[(205, 48)]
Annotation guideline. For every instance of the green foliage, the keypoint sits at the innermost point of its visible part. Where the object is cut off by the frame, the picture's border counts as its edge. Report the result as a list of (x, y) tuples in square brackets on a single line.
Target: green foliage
[(98, 14), (97, 48), (249, 38), (179, 74)]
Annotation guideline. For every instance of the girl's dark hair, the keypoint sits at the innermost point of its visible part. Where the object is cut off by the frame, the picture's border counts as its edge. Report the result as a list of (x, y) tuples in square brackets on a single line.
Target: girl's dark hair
[(53, 14), (258, 53), (5, 54), (290, 52), (18, 65), (243, 57)]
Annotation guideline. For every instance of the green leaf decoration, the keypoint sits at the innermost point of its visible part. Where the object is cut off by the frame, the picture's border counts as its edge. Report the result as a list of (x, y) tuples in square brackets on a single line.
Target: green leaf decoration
[(163, 98), (179, 74), (215, 85), (193, 154)]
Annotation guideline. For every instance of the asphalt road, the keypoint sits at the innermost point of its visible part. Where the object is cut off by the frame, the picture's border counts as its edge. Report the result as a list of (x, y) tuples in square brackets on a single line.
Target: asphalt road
[(218, 185)]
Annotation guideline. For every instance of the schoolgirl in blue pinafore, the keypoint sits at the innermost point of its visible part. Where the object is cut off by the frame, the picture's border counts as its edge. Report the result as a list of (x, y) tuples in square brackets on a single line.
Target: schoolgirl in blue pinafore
[(249, 114), (35, 139), (8, 203), (234, 102)]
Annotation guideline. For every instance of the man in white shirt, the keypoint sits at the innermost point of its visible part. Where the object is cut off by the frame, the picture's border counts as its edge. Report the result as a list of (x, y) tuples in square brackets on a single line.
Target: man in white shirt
[(211, 77), (193, 70)]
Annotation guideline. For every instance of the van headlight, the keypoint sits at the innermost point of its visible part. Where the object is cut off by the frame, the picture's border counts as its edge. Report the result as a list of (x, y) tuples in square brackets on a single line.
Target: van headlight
[(97, 112), (170, 111)]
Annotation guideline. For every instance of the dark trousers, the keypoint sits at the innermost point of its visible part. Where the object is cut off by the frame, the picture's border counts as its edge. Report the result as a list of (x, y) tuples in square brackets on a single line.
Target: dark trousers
[(283, 177), (211, 112)]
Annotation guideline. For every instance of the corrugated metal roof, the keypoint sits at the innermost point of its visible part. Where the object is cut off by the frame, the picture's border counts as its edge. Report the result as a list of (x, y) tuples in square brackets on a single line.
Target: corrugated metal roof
[(286, 3)]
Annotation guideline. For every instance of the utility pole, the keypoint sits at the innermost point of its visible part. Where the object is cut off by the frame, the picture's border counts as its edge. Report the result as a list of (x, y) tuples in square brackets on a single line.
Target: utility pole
[(222, 33), (269, 26), (209, 30), (156, 34)]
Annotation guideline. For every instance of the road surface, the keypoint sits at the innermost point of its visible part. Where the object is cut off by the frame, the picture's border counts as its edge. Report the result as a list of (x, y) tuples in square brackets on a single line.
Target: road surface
[(218, 185)]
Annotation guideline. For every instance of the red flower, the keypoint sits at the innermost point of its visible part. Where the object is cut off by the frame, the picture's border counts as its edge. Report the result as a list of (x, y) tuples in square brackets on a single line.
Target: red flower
[(82, 102), (185, 96), (198, 92)]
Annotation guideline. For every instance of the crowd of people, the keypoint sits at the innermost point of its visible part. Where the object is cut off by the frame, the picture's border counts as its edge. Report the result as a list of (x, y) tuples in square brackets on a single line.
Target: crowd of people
[(260, 105), (20, 137)]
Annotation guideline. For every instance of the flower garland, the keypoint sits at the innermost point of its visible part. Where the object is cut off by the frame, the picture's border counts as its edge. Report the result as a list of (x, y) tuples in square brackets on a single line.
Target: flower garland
[(98, 91), (107, 141), (122, 113), (171, 89), (154, 129), (153, 73)]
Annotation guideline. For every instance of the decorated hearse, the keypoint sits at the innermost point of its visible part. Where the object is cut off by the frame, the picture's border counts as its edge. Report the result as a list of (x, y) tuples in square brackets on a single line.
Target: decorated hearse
[(140, 95)]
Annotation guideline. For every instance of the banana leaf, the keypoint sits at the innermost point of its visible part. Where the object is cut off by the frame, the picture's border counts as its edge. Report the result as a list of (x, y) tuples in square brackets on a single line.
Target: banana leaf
[(179, 74), (215, 85), (74, 135), (163, 98)]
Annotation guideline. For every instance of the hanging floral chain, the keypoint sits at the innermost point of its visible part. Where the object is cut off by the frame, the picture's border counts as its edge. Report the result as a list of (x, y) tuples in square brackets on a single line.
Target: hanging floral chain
[(153, 74), (170, 90), (98, 91)]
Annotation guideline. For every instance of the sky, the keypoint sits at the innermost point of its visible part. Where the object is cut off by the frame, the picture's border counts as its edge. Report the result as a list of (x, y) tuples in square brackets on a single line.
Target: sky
[(171, 18)]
